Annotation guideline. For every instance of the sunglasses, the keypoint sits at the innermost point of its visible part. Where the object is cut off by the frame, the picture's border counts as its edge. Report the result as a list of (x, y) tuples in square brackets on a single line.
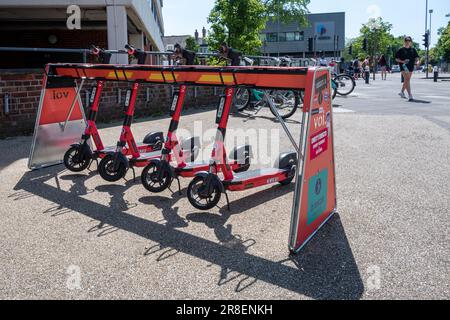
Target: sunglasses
[(408, 40)]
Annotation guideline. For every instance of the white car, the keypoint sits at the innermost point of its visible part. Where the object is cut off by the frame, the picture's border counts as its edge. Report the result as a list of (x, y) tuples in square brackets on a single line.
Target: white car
[(395, 68)]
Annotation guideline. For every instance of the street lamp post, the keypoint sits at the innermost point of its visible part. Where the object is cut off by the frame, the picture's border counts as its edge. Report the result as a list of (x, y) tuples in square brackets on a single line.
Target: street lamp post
[(431, 12), (426, 31)]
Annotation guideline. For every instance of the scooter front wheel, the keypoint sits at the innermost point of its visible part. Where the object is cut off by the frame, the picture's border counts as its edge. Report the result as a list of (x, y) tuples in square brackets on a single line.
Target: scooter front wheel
[(75, 161), (109, 171), (154, 180), (201, 196)]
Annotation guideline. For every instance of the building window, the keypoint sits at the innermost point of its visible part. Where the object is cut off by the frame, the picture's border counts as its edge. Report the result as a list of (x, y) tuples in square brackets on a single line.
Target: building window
[(295, 36), (272, 37), (170, 47), (283, 36)]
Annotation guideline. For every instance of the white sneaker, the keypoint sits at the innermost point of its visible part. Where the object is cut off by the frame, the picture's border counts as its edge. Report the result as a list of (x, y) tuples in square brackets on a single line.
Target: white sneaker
[(402, 95), (411, 99)]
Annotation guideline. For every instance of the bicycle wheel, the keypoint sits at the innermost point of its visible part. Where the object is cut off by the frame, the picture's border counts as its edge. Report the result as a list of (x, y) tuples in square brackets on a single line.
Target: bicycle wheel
[(344, 84), (286, 102), (241, 99)]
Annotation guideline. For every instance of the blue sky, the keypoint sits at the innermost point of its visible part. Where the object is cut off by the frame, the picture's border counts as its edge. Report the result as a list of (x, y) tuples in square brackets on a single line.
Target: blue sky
[(407, 16)]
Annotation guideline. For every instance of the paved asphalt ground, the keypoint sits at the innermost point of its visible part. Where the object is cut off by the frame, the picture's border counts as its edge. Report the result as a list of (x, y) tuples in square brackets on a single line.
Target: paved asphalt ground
[(393, 180)]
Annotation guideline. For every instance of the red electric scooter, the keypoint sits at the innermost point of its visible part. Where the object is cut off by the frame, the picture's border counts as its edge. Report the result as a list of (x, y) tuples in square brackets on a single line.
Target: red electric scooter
[(204, 192), (159, 174), (80, 156), (115, 165)]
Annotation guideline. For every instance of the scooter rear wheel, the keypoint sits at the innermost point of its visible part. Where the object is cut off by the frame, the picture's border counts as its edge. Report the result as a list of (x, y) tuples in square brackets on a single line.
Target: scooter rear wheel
[(74, 161), (198, 198), (108, 172), (153, 181)]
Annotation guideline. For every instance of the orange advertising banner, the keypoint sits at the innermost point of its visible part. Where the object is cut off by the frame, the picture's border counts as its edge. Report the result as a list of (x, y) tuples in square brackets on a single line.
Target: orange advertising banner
[(57, 105), (315, 195)]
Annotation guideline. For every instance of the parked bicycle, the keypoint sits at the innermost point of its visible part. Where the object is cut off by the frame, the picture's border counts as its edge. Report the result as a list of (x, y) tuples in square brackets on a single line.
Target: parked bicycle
[(341, 84), (287, 102)]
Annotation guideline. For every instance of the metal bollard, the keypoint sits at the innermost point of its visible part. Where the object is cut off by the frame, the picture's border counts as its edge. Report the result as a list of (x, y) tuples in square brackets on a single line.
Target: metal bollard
[(367, 76), (436, 74)]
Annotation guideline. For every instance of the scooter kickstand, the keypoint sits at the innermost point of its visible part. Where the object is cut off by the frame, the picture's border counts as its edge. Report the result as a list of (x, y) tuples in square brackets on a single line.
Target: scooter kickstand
[(90, 165), (228, 201), (134, 175), (179, 187)]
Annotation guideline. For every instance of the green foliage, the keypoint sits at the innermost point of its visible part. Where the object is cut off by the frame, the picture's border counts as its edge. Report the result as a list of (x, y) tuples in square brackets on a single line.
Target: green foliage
[(191, 44), (288, 10), (378, 34), (381, 41), (443, 46), (237, 22), (240, 22)]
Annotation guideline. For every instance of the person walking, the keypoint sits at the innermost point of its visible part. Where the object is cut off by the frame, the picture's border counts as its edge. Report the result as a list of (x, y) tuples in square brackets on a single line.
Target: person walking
[(383, 65), (230, 54), (407, 57)]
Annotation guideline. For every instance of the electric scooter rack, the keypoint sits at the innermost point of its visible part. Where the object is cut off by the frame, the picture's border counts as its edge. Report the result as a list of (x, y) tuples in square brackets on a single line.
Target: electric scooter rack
[(312, 165)]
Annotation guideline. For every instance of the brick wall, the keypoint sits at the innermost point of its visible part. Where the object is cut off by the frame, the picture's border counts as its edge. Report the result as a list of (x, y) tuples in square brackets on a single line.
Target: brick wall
[(24, 89)]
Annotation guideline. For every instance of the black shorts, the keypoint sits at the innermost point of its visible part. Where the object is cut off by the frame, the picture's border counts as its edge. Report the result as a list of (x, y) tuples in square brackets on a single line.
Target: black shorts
[(411, 69)]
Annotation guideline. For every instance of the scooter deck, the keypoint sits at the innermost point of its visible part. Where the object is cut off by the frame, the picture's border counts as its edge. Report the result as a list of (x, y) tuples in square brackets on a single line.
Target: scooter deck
[(192, 168), (194, 165), (140, 146), (256, 174), (145, 157), (256, 178)]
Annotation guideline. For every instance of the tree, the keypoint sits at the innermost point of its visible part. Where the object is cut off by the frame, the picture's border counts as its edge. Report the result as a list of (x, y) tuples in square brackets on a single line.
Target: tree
[(288, 10), (191, 44), (377, 32), (240, 22), (443, 46), (237, 22)]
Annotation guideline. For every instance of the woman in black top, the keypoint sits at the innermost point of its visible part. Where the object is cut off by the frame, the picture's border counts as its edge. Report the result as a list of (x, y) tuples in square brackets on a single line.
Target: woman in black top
[(407, 57), (383, 65)]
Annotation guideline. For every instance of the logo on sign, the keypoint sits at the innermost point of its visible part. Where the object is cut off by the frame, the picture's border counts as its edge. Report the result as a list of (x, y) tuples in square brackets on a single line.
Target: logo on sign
[(320, 121), (58, 95), (321, 29)]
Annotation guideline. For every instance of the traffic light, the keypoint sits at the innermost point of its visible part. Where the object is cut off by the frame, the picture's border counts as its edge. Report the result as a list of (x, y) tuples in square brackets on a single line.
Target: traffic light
[(426, 40), (310, 44), (365, 44), (350, 50)]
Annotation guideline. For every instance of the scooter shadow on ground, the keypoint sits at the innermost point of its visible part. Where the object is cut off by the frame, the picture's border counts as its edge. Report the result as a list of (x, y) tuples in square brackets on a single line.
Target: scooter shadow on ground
[(326, 269)]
